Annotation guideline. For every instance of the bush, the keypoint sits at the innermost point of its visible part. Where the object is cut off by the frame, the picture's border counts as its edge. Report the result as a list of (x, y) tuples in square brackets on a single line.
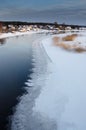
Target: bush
[(69, 37)]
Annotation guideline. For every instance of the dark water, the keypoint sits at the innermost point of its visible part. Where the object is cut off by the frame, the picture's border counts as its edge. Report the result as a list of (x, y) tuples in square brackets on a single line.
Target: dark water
[(15, 69)]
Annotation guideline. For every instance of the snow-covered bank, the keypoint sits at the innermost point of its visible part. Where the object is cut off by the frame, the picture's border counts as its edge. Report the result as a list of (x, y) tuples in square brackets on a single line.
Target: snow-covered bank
[(63, 97), (7, 35), (72, 38), (25, 118), (56, 93)]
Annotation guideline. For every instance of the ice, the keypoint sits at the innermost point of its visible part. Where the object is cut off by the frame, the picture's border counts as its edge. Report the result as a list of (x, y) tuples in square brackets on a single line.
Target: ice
[(25, 118), (56, 100)]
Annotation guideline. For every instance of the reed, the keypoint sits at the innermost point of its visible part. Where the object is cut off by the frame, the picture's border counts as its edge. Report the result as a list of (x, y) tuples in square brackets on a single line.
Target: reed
[(69, 37)]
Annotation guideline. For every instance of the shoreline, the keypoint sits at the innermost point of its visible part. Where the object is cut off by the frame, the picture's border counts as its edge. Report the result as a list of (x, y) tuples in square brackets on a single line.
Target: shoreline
[(65, 98), (7, 35), (56, 95)]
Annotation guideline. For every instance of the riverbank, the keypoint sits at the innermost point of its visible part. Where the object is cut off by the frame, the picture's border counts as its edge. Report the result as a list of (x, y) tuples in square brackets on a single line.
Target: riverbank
[(15, 68), (7, 35), (24, 117), (55, 93), (63, 97)]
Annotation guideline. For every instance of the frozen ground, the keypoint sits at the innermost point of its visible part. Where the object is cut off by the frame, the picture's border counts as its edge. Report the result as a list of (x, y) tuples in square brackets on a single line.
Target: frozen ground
[(55, 98)]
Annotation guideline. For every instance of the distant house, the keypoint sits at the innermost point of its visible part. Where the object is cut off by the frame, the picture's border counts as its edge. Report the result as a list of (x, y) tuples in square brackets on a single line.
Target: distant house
[(11, 28), (0, 27), (68, 28), (4, 29)]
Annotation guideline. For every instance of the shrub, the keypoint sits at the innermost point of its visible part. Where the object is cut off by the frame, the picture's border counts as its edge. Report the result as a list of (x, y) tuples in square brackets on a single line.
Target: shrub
[(69, 37)]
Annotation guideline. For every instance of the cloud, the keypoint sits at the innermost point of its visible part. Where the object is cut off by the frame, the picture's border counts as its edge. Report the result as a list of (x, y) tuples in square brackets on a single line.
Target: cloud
[(67, 15)]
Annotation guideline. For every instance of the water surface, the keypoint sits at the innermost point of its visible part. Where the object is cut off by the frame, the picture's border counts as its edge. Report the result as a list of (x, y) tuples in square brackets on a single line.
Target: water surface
[(15, 69)]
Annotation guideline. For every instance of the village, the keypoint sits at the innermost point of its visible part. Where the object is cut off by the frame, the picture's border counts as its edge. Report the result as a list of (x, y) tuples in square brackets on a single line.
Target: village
[(24, 27)]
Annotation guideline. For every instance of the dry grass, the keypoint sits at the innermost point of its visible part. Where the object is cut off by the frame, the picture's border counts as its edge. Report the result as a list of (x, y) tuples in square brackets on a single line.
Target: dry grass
[(68, 47), (56, 40), (69, 37), (80, 49), (65, 46)]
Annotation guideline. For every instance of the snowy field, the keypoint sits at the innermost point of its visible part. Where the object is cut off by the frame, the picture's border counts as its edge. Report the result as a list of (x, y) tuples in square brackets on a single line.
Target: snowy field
[(56, 99), (63, 99)]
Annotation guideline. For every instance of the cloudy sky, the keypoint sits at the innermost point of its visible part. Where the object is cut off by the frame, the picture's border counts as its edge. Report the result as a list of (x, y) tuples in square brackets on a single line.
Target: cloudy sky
[(62, 11)]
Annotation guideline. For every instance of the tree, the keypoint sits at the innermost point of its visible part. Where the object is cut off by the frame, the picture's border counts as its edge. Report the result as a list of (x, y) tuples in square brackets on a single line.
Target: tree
[(0, 27), (56, 24)]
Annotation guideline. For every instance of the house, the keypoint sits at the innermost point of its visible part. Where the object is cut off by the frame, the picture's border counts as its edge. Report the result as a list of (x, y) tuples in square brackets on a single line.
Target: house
[(68, 28), (4, 29)]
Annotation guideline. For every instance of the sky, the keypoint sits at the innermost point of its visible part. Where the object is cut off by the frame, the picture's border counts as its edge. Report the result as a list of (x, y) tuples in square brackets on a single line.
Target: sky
[(61, 11)]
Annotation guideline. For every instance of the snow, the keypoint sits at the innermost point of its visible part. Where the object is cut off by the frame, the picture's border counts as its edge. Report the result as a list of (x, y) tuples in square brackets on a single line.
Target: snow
[(80, 39), (56, 98), (24, 117), (63, 97), (9, 34), (6, 35)]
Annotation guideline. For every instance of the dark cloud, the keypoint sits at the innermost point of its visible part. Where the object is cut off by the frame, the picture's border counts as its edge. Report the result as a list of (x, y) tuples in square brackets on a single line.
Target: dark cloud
[(71, 15)]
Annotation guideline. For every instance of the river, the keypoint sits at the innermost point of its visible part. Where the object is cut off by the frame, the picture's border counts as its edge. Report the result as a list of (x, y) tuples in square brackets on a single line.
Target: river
[(15, 69)]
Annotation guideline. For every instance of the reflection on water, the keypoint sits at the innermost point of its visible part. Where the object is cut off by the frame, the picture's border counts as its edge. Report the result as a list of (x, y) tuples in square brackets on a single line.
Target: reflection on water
[(2, 41), (15, 68)]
